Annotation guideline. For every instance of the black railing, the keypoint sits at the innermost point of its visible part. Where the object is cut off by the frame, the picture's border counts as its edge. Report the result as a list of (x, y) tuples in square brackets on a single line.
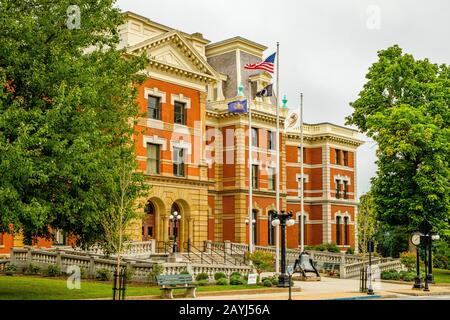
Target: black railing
[(363, 279), (121, 280)]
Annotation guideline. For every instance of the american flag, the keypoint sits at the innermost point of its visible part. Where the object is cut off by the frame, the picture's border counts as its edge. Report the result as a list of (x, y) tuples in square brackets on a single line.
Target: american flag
[(266, 65)]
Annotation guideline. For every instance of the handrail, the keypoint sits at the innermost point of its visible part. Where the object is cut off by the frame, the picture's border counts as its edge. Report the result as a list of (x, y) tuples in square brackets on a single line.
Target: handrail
[(224, 256)]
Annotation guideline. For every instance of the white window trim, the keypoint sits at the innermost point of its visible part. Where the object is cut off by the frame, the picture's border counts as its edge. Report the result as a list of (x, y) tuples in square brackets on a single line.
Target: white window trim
[(180, 98), (182, 145), (342, 179), (298, 177), (155, 140), (156, 93)]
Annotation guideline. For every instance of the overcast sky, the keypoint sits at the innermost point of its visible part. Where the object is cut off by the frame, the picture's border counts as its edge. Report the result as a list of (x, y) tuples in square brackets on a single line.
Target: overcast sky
[(326, 46)]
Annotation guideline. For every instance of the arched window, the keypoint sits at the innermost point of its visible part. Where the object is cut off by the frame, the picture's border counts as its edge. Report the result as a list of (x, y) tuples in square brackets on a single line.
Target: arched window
[(338, 230), (174, 208), (271, 229), (346, 231), (149, 208)]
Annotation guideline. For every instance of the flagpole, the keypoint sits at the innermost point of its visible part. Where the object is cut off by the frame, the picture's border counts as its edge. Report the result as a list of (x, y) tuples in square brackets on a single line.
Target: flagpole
[(277, 248), (302, 191), (250, 172)]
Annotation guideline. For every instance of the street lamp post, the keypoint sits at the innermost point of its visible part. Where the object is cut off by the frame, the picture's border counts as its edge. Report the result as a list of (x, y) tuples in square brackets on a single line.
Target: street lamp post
[(283, 219), (175, 217), (415, 240)]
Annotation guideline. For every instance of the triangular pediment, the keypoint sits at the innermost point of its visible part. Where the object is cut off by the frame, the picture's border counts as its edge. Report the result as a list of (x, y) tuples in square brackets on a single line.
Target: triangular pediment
[(173, 50)]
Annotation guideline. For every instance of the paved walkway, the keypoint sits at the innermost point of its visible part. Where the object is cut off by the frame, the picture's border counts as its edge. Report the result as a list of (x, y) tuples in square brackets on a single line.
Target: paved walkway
[(332, 288)]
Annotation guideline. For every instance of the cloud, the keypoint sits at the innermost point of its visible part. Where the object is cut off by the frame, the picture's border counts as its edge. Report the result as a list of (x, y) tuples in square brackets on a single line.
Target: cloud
[(326, 46)]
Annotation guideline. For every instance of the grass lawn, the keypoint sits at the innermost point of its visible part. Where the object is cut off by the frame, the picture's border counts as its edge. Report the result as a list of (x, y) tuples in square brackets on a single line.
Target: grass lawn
[(19, 287), (441, 276)]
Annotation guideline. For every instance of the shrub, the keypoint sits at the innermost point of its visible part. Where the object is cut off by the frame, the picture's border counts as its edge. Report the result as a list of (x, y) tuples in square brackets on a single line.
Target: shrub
[(83, 273), (262, 261), (202, 283), (385, 275), (236, 281), (274, 281), (331, 247), (33, 269), (104, 274), (235, 274), (408, 259), (10, 269), (202, 276), (157, 269), (53, 271), (440, 261), (409, 277), (350, 251), (184, 271), (219, 275), (129, 273), (222, 281), (267, 283)]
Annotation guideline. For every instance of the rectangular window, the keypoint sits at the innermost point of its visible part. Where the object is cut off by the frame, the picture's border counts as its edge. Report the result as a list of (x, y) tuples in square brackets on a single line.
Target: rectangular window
[(338, 189), (255, 172), (1, 239), (345, 189), (271, 178), (178, 162), (271, 231), (338, 156), (254, 137), (300, 229), (338, 231), (346, 231), (153, 158), (179, 113), (154, 107), (271, 140), (345, 157)]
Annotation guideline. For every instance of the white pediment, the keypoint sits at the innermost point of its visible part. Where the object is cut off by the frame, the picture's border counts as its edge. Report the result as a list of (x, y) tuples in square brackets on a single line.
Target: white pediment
[(174, 50), (169, 55)]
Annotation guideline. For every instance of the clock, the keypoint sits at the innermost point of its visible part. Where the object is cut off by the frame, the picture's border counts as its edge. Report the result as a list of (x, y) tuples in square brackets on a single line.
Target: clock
[(415, 239)]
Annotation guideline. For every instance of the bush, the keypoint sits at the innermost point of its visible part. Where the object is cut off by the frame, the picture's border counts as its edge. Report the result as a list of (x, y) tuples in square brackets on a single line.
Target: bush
[(331, 247), (104, 274), (236, 281), (408, 259), (157, 269), (184, 271), (262, 261), (267, 283), (235, 274), (33, 269), (53, 271), (409, 277), (219, 275), (129, 273), (202, 283), (222, 281), (440, 261), (202, 276), (274, 281), (10, 269), (350, 251), (83, 273)]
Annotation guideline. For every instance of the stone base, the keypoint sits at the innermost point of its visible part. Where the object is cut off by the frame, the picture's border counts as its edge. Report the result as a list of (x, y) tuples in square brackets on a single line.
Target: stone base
[(175, 257)]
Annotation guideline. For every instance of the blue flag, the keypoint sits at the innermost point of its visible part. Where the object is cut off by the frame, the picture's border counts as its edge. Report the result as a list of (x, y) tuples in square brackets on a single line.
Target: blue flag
[(239, 106)]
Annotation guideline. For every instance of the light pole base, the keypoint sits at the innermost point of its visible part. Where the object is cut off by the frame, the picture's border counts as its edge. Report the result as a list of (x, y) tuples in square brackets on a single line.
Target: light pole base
[(417, 283), (283, 281), (430, 278)]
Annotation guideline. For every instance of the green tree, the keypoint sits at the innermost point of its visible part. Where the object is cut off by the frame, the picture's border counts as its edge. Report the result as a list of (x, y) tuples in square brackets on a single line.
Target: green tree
[(262, 261), (67, 104), (404, 107), (367, 221)]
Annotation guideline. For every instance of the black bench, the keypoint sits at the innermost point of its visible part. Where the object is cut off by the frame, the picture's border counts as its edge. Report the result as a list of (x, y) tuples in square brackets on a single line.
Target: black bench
[(168, 283)]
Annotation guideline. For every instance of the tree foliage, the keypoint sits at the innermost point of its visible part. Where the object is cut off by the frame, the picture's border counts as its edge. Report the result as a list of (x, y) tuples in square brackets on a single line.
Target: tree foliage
[(64, 115), (404, 107), (367, 221)]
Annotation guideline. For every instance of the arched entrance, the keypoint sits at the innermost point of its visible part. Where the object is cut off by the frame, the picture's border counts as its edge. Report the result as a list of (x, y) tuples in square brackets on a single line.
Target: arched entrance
[(183, 227), (154, 209), (149, 222)]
